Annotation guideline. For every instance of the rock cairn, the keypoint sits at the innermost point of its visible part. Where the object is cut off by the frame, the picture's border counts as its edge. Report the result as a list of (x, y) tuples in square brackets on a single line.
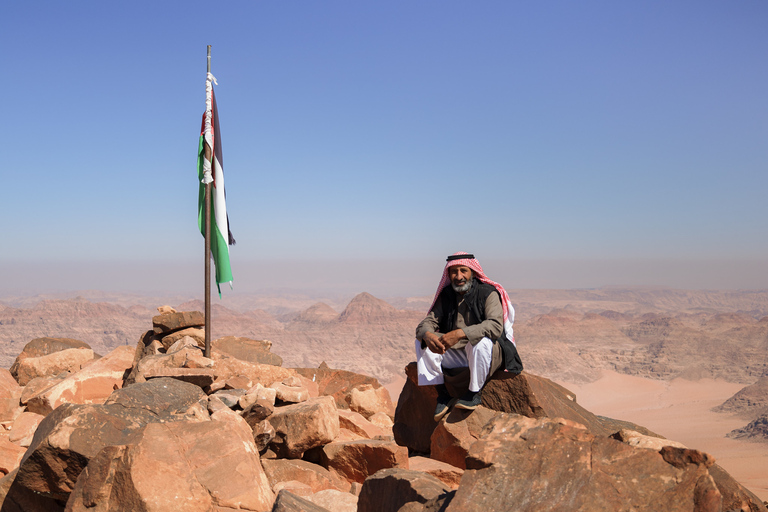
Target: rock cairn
[(162, 428)]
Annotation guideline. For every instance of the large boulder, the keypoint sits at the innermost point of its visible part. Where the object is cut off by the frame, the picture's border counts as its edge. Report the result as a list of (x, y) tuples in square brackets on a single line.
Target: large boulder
[(524, 394), (68, 360), (190, 466), (456, 432), (390, 489), (414, 414), (90, 385), (526, 464), (537, 397), (303, 426), (74, 433), (42, 347)]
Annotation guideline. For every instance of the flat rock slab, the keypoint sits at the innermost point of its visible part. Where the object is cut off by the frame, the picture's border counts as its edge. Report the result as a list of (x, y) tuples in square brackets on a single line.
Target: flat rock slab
[(247, 349), (168, 399), (200, 377), (170, 322)]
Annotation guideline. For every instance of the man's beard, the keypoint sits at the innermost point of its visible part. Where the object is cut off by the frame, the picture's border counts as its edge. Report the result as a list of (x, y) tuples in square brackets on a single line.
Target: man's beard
[(463, 288)]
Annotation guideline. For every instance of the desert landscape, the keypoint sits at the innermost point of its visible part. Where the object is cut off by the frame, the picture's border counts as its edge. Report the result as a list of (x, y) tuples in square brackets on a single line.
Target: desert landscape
[(661, 358)]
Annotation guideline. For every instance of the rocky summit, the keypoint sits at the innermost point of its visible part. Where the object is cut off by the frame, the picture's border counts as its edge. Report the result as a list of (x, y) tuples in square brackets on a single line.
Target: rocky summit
[(162, 428)]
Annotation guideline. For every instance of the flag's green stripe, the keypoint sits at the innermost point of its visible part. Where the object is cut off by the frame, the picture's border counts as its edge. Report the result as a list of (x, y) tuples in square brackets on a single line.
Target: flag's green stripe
[(219, 248)]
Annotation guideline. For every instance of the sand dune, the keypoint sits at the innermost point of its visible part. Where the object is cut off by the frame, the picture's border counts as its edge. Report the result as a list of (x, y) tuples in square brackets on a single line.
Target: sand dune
[(680, 410)]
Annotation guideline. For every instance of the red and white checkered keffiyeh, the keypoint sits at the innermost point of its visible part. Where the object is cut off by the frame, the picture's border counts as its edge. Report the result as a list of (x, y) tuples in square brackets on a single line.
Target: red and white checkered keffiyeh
[(509, 311)]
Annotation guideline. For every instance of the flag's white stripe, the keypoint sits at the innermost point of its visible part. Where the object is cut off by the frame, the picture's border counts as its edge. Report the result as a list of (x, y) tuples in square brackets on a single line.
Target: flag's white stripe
[(220, 202), (208, 128)]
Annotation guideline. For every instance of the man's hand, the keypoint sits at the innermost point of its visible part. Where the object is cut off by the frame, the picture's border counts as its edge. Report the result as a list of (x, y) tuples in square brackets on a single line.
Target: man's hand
[(433, 343), (450, 339)]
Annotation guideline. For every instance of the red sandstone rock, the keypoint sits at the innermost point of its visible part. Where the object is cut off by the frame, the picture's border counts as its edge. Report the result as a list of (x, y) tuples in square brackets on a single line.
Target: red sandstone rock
[(44, 346), (264, 374), (68, 360), (455, 434), (246, 349), (638, 440), (528, 464), (337, 383), (201, 377), (10, 393), (446, 473), (294, 487), (334, 500), (195, 333), (313, 475), (90, 385), (290, 393), (15, 498), (524, 394), (10, 455), (358, 424), (190, 466), (414, 414), (287, 501), (390, 489), (368, 401), (300, 427), (38, 385), (357, 460), (171, 322), (24, 427), (71, 435)]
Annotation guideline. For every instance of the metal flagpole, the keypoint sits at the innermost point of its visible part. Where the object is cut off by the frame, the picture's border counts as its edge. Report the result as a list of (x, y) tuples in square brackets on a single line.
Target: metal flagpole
[(208, 156)]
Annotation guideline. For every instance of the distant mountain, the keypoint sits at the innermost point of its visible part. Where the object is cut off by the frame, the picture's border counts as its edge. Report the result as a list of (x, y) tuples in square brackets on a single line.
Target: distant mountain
[(566, 335), (750, 402)]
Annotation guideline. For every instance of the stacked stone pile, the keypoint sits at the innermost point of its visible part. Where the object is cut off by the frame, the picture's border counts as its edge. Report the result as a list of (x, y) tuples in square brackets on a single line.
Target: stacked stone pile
[(163, 428)]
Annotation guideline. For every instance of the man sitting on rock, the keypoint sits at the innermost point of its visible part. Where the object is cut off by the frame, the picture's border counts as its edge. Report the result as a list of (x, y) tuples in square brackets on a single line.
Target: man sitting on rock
[(469, 325)]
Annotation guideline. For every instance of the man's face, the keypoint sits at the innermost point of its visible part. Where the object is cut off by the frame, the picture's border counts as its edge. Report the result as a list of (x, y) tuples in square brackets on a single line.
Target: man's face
[(461, 277)]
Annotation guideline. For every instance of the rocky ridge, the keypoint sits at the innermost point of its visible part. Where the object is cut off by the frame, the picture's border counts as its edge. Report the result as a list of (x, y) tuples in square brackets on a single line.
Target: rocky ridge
[(160, 427)]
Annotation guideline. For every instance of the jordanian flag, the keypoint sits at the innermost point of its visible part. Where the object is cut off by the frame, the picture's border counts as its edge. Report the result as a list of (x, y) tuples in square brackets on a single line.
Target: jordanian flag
[(210, 169)]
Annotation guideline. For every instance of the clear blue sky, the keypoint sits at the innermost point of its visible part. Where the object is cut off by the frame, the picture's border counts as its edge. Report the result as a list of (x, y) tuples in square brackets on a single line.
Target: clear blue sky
[(564, 143)]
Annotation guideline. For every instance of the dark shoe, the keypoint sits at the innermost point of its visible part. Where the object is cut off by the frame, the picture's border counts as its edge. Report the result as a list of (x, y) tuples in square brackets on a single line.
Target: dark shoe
[(444, 402), (469, 401)]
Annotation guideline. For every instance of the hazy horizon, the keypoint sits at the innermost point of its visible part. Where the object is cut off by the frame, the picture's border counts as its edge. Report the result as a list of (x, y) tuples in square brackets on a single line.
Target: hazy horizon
[(396, 278)]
